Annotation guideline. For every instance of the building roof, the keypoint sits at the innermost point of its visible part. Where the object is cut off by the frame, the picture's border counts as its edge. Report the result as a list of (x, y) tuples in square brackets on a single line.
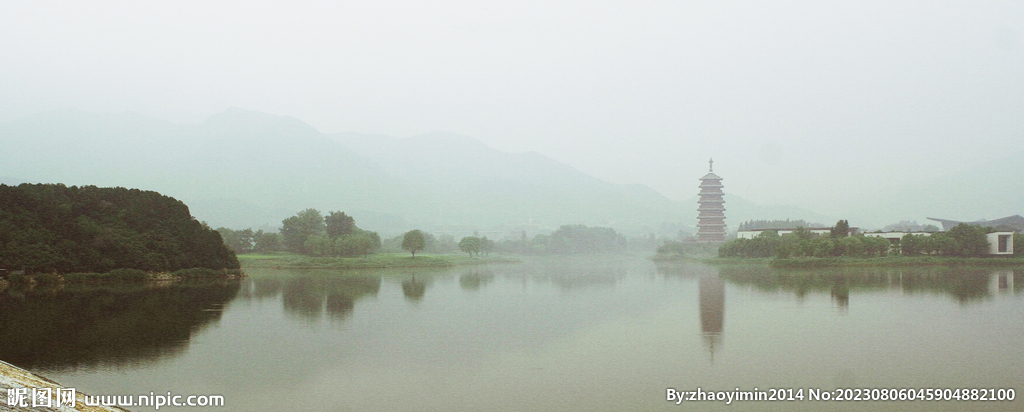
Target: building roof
[(1015, 223)]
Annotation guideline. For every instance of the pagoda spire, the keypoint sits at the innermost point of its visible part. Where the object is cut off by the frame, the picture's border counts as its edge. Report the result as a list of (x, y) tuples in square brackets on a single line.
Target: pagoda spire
[(711, 165)]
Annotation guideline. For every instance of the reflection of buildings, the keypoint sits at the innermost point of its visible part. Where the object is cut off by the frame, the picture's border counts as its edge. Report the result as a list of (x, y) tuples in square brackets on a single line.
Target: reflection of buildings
[(711, 217), (841, 295), (712, 311), (1000, 282)]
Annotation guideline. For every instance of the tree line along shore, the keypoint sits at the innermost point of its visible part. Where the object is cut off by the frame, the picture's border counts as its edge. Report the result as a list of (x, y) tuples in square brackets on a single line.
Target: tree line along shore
[(964, 244)]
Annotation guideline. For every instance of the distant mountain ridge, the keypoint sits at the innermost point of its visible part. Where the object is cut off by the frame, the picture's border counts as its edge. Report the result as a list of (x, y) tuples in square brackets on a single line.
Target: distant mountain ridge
[(244, 168)]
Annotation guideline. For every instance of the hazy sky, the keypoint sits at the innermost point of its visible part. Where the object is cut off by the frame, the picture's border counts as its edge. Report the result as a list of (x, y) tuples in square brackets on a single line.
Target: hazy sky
[(792, 99)]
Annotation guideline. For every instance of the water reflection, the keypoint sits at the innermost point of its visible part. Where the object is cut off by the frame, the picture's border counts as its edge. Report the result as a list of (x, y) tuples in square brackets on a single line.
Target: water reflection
[(712, 311), (310, 296), (414, 289), (60, 329), (576, 274), (964, 284), (475, 278)]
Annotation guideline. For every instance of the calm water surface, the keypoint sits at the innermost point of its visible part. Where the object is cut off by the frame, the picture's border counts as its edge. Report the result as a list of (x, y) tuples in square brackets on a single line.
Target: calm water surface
[(607, 334)]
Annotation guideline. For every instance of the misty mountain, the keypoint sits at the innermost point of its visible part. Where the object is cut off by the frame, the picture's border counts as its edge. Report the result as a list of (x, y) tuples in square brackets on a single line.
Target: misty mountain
[(238, 168), (243, 168), (990, 192), (474, 184)]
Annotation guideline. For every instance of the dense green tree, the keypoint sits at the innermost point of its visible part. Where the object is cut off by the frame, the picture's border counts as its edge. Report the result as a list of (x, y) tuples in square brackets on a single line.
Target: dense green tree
[(841, 229), (470, 245), (339, 224), (911, 245), (319, 245), (360, 243), (442, 244), (971, 239), (47, 228), (486, 245), (240, 241), (296, 229), (266, 242), (414, 241)]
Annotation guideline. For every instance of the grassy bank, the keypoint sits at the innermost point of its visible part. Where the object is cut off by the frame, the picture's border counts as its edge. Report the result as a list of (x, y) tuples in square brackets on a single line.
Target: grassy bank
[(379, 260), (888, 261)]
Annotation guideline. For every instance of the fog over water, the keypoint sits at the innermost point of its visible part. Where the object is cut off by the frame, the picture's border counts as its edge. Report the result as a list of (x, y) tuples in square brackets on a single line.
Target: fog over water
[(873, 110)]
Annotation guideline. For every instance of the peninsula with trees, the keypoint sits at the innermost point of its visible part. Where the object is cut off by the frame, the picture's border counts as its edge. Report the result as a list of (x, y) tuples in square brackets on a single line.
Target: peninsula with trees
[(56, 233)]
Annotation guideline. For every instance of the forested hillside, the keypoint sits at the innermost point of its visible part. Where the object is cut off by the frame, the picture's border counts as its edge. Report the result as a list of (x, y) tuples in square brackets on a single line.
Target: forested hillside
[(47, 227)]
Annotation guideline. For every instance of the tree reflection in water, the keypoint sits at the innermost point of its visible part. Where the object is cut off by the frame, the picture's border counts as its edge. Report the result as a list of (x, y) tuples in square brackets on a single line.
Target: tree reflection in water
[(965, 284), (414, 289), (308, 297), (475, 278), (83, 326)]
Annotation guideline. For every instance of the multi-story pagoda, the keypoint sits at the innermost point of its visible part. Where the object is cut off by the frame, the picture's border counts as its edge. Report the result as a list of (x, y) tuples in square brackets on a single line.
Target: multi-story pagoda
[(711, 220)]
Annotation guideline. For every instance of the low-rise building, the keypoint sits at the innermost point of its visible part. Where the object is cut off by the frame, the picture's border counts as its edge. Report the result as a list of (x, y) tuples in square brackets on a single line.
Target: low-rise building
[(894, 237), (1000, 243), (750, 234)]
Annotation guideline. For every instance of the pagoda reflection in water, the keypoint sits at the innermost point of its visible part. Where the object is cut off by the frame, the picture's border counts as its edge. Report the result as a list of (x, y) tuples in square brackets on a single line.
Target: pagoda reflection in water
[(712, 311)]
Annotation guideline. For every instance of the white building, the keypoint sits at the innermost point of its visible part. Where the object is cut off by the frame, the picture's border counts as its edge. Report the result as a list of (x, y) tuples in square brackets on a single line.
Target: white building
[(894, 237), (1000, 243), (750, 234)]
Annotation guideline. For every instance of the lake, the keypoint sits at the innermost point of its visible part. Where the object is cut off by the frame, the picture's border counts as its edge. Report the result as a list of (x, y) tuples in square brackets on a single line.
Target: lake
[(594, 334)]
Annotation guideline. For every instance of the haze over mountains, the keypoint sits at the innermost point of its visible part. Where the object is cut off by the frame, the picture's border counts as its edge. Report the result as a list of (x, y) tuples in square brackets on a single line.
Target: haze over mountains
[(243, 169)]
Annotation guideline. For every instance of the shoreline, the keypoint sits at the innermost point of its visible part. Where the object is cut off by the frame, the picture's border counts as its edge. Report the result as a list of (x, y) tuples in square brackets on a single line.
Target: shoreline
[(375, 261), (889, 261)]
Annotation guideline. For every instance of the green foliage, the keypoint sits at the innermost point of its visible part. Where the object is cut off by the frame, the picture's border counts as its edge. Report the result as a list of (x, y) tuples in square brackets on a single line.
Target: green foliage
[(961, 241), (360, 243), (55, 228), (971, 239), (471, 245), (266, 242), (239, 241), (414, 241), (1018, 245), (339, 224), (841, 229), (318, 245), (803, 244), (296, 229), (311, 234)]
